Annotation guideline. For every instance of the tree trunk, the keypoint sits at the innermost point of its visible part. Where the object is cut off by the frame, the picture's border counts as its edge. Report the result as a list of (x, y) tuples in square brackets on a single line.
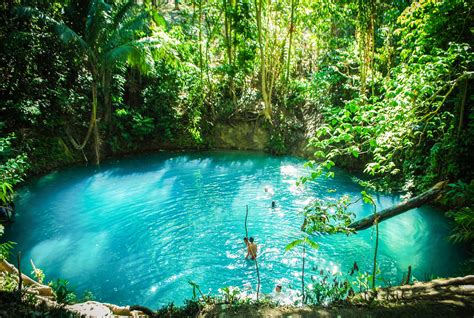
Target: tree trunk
[(92, 122), (228, 22), (20, 276), (96, 128), (267, 111), (374, 272), (106, 89), (290, 40), (201, 59), (461, 109), (372, 38), (412, 203)]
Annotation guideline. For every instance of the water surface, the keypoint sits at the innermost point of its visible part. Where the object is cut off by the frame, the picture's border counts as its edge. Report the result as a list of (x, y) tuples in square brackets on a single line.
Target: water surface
[(135, 230)]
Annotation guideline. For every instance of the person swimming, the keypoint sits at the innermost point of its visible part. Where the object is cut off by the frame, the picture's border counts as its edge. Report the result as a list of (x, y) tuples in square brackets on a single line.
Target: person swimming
[(278, 289), (276, 295), (251, 248)]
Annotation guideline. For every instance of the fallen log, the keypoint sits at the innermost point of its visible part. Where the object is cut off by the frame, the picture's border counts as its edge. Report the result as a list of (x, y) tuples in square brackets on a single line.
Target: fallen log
[(412, 203)]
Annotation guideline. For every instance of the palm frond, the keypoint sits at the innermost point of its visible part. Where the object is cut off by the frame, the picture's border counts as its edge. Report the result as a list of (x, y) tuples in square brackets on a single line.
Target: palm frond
[(127, 29), (129, 53), (304, 241), (68, 36), (141, 53), (122, 12), (65, 33), (311, 243), (294, 244), (98, 22)]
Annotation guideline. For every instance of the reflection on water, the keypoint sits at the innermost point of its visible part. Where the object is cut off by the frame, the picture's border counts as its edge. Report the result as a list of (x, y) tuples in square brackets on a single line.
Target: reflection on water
[(136, 230)]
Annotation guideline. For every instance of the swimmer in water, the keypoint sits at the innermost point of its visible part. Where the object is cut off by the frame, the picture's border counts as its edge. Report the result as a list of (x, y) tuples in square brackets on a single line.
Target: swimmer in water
[(278, 289), (251, 248)]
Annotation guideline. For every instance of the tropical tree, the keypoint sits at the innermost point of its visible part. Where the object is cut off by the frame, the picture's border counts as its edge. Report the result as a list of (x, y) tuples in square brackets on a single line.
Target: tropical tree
[(271, 20), (113, 35)]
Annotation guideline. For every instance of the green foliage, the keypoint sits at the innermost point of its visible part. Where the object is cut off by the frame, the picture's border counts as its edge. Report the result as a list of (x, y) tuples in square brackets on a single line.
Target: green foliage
[(114, 34), (367, 198), (415, 128), (460, 198), (133, 127), (363, 280), (285, 133), (196, 290), (413, 112), (459, 194), (194, 71), (88, 296), (277, 144), (8, 282), (38, 274), (6, 247), (230, 294), (464, 220), (382, 87), (326, 288), (13, 168), (6, 192), (328, 217), (304, 241), (189, 309), (62, 292), (48, 153)]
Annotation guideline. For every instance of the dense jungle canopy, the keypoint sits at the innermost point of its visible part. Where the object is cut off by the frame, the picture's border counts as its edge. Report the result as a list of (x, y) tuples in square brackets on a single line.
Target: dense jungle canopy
[(380, 87)]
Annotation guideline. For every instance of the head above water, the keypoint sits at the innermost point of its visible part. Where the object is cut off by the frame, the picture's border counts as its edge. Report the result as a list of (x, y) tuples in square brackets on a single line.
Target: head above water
[(246, 239), (278, 288), (251, 239)]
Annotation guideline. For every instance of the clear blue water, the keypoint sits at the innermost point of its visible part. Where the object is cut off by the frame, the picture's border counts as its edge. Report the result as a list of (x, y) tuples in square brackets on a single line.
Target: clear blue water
[(136, 230)]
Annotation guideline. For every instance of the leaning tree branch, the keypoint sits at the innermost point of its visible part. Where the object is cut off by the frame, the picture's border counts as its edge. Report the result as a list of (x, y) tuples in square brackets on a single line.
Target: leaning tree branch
[(412, 203)]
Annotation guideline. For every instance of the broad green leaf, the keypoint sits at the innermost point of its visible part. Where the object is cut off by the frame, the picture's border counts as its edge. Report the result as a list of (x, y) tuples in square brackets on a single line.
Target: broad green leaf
[(294, 244)]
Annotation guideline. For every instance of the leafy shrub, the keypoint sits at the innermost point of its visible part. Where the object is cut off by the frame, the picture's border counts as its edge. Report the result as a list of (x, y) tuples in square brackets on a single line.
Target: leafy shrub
[(62, 292), (326, 288), (6, 247), (8, 282), (190, 309)]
